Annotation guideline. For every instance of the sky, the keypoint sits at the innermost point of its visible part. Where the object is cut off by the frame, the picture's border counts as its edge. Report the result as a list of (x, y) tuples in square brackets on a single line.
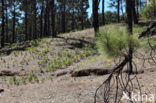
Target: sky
[(100, 7)]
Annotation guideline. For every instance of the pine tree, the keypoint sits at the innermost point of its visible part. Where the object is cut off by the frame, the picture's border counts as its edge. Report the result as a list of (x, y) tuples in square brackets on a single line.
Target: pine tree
[(3, 24), (95, 15)]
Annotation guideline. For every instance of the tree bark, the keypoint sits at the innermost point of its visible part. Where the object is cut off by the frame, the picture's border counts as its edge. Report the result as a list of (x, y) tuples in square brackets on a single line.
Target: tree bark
[(95, 16), (63, 17), (73, 21), (82, 11), (3, 25), (6, 18), (34, 19), (129, 4), (14, 20), (134, 13), (118, 10), (45, 21), (41, 19), (103, 12), (137, 2), (26, 20), (48, 18), (53, 18)]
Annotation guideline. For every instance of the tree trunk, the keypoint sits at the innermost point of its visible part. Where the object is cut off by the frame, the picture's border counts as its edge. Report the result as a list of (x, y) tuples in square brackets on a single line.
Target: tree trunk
[(3, 25), (129, 21), (26, 20), (30, 30), (95, 16), (122, 10), (103, 12), (134, 13), (118, 11), (41, 19), (53, 18), (129, 15), (73, 21), (82, 11), (137, 2), (34, 19), (45, 21), (14, 20), (140, 4), (48, 19), (6, 18), (63, 17)]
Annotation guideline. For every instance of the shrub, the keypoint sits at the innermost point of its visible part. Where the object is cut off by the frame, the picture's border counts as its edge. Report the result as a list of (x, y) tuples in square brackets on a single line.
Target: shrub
[(114, 42), (148, 11)]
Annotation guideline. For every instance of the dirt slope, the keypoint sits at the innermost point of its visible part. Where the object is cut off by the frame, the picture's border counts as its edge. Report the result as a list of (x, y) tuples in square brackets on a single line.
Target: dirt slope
[(62, 88)]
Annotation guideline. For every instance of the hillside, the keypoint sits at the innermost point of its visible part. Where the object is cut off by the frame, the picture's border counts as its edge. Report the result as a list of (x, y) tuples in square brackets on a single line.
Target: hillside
[(66, 69)]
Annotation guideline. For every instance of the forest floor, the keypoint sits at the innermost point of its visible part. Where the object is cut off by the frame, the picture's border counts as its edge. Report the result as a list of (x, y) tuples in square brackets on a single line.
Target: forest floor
[(48, 72)]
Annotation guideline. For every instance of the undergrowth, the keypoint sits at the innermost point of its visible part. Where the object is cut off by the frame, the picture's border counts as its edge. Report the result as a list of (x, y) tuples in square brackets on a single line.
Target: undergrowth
[(114, 42)]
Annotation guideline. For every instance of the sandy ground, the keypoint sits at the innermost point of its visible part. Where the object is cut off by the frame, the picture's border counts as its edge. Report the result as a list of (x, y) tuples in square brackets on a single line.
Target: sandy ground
[(64, 89), (67, 89)]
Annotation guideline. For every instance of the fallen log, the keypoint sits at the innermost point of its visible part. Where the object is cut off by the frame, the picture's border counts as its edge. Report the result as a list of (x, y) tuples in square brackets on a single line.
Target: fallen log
[(144, 33), (10, 73), (9, 50), (1, 90), (98, 72)]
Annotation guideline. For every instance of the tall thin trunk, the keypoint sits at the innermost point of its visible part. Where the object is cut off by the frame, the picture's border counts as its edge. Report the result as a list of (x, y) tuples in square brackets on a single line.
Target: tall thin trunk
[(129, 15), (82, 11), (103, 12), (129, 21), (118, 6), (63, 17), (34, 19), (30, 30), (122, 9), (14, 20), (26, 20), (134, 13), (6, 18), (53, 18), (73, 21), (137, 2), (45, 21), (48, 18), (95, 16), (41, 19), (3, 25), (140, 4)]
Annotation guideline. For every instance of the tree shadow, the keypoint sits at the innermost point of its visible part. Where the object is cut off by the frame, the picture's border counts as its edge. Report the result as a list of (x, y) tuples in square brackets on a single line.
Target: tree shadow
[(76, 43)]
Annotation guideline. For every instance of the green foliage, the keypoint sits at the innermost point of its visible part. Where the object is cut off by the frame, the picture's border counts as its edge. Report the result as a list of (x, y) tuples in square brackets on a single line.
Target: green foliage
[(68, 61), (148, 11), (57, 62), (10, 82), (115, 41), (50, 67), (23, 79), (14, 80), (43, 60), (32, 76), (45, 51), (32, 48)]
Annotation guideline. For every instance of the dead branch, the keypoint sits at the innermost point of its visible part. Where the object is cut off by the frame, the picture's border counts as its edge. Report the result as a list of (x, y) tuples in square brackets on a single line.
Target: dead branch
[(144, 33)]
